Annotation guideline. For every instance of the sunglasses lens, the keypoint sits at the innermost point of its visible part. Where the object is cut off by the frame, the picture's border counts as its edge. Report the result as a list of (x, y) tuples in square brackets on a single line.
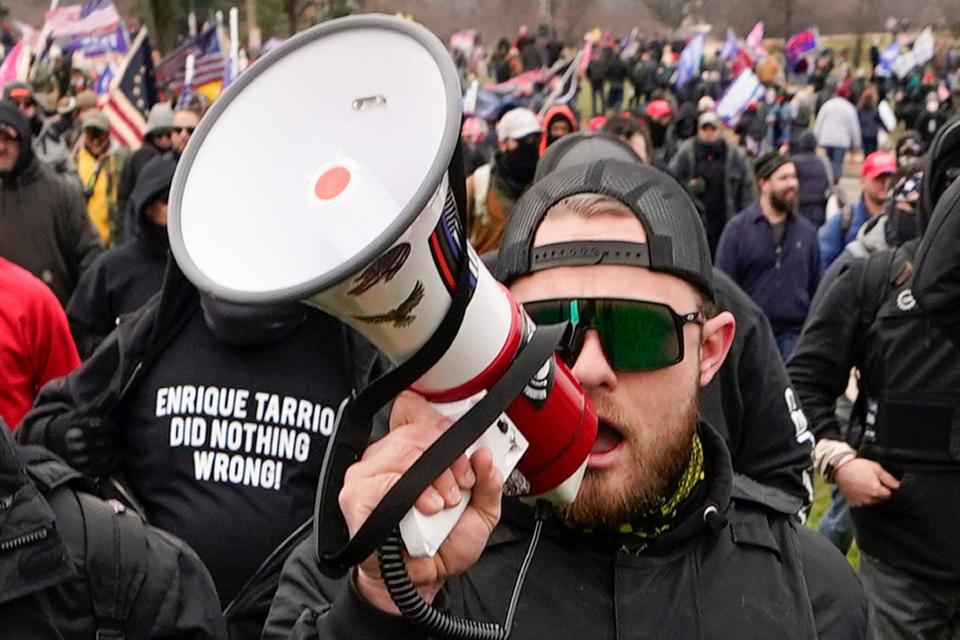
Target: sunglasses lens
[(638, 336)]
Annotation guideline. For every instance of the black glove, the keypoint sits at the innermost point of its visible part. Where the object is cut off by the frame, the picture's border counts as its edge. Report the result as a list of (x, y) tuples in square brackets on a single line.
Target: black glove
[(86, 443)]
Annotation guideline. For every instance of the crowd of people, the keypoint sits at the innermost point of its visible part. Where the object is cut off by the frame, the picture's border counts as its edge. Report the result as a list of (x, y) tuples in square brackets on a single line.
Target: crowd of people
[(780, 248)]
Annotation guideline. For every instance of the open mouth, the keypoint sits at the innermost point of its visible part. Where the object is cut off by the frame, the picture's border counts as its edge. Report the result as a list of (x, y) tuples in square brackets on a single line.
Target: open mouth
[(608, 437)]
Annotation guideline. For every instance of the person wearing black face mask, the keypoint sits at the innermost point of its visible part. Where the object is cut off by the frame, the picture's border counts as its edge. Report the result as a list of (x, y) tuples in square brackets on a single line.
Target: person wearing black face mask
[(895, 466), (217, 417), (887, 231), (717, 173), (493, 189)]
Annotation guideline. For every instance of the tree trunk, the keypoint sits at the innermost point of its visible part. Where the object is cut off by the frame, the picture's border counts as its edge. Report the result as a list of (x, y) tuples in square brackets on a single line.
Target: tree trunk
[(788, 7), (292, 15), (163, 14)]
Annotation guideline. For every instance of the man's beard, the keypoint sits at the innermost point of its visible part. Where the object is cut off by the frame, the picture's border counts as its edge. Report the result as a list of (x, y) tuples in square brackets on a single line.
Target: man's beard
[(780, 202), (607, 500)]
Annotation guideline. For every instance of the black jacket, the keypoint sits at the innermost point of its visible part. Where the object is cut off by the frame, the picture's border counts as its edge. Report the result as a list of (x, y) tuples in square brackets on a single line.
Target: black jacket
[(125, 277), (109, 382), (757, 575), (47, 584), (903, 359), (751, 403), (44, 226)]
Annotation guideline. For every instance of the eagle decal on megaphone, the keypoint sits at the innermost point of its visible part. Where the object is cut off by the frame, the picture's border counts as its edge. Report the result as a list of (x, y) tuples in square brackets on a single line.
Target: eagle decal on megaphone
[(349, 207)]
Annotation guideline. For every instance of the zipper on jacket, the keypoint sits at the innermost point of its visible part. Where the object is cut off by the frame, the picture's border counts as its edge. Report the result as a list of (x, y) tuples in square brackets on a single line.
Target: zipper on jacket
[(25, 539)]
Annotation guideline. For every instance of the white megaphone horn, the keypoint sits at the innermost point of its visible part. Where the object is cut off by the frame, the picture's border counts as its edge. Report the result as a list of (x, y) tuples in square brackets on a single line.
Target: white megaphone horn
[(322, 175)]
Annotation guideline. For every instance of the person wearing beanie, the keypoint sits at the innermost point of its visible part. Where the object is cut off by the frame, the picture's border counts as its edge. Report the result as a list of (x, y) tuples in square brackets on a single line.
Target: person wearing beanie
[(126, 276), (717, 173), (21, 94), (493, 189), (772, 252), (156, 140), (662, 538), (99, 171), (44, 226)]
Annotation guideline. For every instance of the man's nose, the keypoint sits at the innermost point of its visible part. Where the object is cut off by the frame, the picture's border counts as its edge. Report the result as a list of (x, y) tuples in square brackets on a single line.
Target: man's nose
[(592, 368)]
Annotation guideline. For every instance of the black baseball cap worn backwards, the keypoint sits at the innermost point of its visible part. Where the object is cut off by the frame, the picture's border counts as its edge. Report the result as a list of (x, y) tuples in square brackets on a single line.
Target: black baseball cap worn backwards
[(676, 242)]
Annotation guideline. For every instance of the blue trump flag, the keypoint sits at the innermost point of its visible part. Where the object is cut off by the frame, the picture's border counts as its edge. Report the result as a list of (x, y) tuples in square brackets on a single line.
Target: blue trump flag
[(689, 64)]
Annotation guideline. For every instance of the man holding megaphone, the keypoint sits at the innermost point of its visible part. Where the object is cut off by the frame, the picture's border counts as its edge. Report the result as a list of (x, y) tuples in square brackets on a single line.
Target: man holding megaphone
[(661, 540), (650, 529)]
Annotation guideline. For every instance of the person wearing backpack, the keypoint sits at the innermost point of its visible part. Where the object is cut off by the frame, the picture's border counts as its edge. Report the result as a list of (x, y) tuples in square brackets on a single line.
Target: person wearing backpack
[(898, 466), (76, 566), (840, 230), (216, 416)]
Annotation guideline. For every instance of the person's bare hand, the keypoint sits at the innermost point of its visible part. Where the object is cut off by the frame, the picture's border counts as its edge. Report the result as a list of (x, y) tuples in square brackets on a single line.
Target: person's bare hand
[(414, 426), (864, 482)]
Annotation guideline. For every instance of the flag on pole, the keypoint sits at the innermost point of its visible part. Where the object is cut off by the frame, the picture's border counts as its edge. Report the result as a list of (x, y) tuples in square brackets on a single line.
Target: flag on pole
[(755, 40), (923, 47), (8, 70), (800, 45), (734, 102), (133, 93), (78, 21), (888, 56), (730, 46), (210, 60), (689, 64)]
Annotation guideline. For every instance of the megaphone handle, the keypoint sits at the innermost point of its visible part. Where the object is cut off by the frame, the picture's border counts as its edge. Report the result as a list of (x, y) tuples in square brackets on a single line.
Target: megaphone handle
[(422, 535), (439, 456)]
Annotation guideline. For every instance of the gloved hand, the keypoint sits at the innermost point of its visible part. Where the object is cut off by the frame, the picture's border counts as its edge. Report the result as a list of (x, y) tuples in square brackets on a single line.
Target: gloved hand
[(86, 443)]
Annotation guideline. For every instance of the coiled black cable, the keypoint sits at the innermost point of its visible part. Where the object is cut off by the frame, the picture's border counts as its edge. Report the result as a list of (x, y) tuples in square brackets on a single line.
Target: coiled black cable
[(421, 613)]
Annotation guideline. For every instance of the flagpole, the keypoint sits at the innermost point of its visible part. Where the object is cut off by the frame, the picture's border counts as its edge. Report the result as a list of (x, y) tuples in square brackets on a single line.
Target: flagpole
[(41, 44)]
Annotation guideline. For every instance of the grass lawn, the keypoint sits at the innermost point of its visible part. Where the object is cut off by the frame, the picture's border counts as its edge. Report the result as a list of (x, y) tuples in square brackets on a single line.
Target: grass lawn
[(820, 504)]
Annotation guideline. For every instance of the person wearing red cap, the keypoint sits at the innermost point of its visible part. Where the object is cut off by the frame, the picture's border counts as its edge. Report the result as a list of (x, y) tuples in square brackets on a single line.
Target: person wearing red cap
[(842, 229), (660, 117)]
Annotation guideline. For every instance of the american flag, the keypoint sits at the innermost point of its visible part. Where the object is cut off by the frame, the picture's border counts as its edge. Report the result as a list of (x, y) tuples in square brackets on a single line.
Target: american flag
[(78, 21), (210, 60), (132, 94)]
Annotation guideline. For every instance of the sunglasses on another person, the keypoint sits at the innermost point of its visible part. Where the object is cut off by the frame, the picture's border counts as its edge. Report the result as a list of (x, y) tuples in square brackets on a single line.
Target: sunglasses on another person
[(187, 130), (636, 335)]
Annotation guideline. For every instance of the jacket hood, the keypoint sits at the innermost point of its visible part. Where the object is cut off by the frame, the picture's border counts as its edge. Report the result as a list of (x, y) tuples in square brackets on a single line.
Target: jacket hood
[(686, 122), (10, 115), (806, 142), (554, 112), (942, 157), (155, 178)]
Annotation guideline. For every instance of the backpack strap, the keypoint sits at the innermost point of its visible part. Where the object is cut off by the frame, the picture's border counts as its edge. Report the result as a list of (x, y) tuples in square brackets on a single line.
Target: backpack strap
[(116, 559), (846, 219), (875, 281)]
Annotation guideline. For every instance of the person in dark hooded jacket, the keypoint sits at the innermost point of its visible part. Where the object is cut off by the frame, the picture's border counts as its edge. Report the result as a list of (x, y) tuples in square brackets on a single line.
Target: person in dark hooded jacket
[(44, 226), (58, 564), (813, 175), (125, 277), (216, 415)]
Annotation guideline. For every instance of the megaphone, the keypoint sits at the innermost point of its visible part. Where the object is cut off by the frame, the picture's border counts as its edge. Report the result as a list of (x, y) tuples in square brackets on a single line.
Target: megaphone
[(321, 175)]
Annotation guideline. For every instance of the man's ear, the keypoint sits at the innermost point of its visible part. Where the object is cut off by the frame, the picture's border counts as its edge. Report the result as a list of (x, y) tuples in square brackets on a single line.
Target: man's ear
[(718, 334)]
